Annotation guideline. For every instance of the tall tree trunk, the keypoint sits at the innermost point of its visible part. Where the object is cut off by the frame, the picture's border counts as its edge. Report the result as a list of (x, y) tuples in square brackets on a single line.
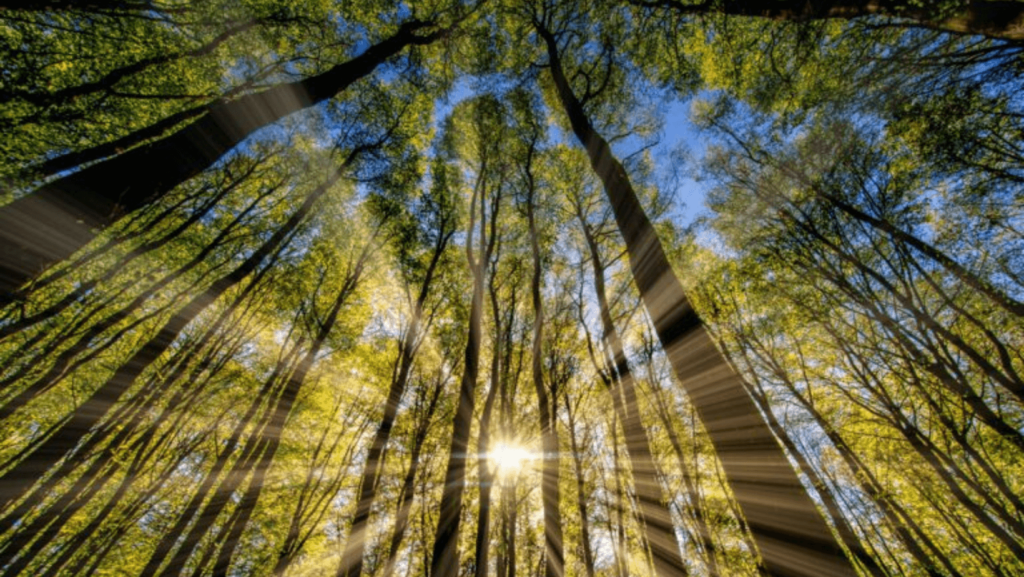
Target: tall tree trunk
[(445, 559), (512, 514), (506, 561), (790, 532), (485, 471), (581, 493), (69, 160), (655, 517), (554, 556), (53, 222), (444, 562), (618, 537)]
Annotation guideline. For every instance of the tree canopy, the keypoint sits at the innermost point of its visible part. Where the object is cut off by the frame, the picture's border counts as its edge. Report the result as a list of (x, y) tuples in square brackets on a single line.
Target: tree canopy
[(369, 288)]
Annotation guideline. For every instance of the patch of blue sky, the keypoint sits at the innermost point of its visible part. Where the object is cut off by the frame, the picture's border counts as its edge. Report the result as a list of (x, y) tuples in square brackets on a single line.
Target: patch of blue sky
[(676, 148), (680, 143)]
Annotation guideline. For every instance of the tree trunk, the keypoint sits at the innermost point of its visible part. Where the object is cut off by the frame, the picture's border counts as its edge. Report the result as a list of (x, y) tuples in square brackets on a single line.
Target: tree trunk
[(790, 532), (445, 559), (618, 536), (554, 556), (485, 471), (581, 493), (655, 517)]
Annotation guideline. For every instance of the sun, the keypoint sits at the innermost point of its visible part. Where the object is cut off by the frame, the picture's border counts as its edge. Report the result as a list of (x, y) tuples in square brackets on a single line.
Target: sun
[(509, 459)]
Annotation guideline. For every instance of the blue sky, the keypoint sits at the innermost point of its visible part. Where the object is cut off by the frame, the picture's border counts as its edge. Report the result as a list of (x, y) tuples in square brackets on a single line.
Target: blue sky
[(676, 132), (679, 131)]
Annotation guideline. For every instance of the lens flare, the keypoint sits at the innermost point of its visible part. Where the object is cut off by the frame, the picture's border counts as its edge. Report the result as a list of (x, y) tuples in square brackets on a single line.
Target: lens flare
[(509, 459)]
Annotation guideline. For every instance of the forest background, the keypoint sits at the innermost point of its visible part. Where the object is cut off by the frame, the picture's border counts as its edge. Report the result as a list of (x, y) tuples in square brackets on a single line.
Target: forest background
[(371, 288)]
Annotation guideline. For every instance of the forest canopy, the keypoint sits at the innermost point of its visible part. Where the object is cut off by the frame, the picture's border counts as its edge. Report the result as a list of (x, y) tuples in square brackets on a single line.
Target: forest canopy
[(536, 287)]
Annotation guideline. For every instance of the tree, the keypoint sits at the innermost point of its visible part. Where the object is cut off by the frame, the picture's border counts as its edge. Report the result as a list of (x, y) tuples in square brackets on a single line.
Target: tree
[(53, 222), (441, 218), (484, 207), (805, 541)]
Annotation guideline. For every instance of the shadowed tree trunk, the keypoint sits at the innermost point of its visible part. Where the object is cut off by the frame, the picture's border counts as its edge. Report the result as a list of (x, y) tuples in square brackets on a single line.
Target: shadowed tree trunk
[(486, 472), (617, 533), (506, 558), (790, 532)]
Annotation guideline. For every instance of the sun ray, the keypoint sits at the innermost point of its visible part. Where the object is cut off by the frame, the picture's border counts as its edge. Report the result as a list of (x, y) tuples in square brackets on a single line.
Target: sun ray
[(509, 459)]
